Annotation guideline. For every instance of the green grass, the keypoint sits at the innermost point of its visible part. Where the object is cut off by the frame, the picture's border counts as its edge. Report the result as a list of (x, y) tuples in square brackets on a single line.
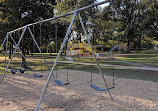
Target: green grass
[(139, 57), (146, 57), (46, 55), (119, 72), (145, 52), (100, 60), (36, 61)]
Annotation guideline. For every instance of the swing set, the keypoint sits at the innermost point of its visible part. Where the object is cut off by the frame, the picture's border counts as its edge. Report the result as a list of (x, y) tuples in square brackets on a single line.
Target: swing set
[(65, 41)]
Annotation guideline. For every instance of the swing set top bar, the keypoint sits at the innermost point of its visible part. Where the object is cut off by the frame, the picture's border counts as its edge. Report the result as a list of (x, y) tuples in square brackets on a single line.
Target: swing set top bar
[(63, 15)]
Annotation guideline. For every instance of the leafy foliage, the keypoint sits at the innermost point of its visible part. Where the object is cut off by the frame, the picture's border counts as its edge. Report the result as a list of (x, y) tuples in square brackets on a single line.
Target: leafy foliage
[(129, 22)]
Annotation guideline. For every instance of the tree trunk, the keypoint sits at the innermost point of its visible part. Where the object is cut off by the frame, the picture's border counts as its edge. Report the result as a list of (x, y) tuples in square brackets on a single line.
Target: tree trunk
[(50, 52), (12, 48), (27, 51), (10, 51), (23, 51), (23, 59), (128, 46), (139, 43)]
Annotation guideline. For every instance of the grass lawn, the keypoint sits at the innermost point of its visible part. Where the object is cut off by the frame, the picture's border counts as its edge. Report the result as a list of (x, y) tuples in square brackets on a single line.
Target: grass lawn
[(143, 57), (146, 57), (100, 60), (118, 72)]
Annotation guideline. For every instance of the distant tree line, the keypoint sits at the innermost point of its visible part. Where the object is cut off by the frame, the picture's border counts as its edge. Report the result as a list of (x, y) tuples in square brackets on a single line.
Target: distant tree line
[(128, 22)]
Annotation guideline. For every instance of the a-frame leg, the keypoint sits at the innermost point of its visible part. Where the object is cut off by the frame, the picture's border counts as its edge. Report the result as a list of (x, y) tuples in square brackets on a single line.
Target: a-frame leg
[(13, 54), (55, 63), (4, 41), (6, 52), (85, 32), (21, 53), (38, 47)]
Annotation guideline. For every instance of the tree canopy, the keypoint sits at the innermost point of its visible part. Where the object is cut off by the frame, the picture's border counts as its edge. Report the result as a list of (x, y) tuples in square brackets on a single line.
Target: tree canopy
[(129, 22)]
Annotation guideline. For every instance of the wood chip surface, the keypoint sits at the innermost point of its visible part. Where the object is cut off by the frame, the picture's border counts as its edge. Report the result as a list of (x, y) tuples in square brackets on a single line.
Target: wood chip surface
[(21, 92)]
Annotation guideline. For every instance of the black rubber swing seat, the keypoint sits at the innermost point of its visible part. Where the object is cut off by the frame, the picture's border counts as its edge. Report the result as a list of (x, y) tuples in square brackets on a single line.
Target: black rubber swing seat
[(13, 71), (98, 88), (22, 70), (67, 83), (59, 83), (37, 76)]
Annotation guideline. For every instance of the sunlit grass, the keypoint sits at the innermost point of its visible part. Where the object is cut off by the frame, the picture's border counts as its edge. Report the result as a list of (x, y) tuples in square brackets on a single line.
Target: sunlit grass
[(119, 72), (100, 60), (146, 57), (38, 64)]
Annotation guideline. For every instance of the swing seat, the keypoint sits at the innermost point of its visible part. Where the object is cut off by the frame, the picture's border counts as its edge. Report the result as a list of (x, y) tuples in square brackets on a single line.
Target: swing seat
[(13, 71), (22, 70), (97, 88), (67, 83), (100, 89), (36, 75), (59, 83)]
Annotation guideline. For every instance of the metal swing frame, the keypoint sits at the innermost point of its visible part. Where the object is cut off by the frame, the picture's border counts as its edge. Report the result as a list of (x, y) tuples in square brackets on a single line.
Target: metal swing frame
[(57, 81), (75, 13), (17, 48)]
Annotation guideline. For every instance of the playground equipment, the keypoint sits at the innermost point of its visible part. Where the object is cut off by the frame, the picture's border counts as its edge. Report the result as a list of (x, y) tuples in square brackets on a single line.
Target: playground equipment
[(57, 81), (13, 71), (92, 85), (27, 27), (84, 49), (80, 49), (111, 50), (22, 70)]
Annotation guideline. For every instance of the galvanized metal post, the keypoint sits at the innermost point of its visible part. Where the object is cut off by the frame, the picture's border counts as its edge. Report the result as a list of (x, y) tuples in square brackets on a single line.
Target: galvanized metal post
[(6, 53), (55, 63), (111, 50), (38, 47), (4, 41), (13, 55), (21, 53), (85, 32)]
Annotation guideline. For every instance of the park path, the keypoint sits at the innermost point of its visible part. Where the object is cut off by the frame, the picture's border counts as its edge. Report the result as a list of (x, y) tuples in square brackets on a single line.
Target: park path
[(68, 58), (131, 63), (140, 66), (118, 66)]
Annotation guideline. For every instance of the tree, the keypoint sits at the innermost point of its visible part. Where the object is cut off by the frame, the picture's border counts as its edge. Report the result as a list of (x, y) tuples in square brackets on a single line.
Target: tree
[(35, 9), (131, 13), (151, 22), (65, 6)]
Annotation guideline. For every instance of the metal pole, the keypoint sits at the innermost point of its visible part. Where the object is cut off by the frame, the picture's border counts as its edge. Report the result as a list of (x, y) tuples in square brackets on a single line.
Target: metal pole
[(13, 55), (6, 53), (66, 14), (4, 41), (111, 50), (55, 63), (56, 43), (38, 47), (21, 53), (85, 32)]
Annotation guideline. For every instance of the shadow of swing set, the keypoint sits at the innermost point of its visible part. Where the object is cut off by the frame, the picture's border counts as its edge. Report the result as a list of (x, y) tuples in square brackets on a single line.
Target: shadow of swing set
[(57, 81)]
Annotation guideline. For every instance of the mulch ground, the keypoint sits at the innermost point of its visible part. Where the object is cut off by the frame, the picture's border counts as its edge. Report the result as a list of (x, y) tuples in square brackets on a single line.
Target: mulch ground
[(21, 93)]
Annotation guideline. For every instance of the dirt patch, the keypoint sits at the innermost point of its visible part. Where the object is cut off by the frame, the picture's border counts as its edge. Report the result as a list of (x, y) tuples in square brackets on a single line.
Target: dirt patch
[(21, 93)]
